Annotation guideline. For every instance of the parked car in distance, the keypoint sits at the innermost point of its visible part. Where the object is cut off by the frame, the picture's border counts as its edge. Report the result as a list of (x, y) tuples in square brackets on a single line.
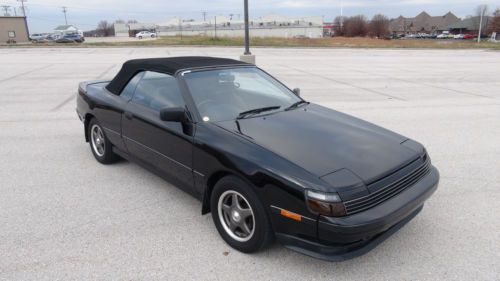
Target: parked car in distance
[(145, 34), (469, 36), (70, 38), (266, 163), (37, 36), (459, 36)]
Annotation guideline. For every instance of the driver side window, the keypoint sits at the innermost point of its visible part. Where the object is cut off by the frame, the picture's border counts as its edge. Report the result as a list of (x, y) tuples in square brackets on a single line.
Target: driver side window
[(157, 91)]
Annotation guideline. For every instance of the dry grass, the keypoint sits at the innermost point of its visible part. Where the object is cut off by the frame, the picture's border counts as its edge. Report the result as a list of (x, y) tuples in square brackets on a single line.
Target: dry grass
[(337, 42)]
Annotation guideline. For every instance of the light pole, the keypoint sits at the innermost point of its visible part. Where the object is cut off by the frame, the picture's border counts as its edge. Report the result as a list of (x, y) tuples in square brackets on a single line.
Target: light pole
[(482, 10), (247, 56)]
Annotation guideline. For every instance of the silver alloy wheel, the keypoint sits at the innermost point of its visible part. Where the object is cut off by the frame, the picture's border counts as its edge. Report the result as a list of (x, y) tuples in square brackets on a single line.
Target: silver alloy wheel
[(236, 216), (97, 139)]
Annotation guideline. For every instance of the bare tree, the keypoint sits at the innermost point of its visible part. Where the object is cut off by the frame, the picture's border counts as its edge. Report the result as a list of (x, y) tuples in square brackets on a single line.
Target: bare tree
[(494, 24), (105, 29), (120, 21), (338, 23), (379, 26), (132, 21), (355, 26)]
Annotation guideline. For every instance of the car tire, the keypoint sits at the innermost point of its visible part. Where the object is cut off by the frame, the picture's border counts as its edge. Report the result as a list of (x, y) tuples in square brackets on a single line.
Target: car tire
[(140, 37), (101, 147), (152, 36), (243, 223)]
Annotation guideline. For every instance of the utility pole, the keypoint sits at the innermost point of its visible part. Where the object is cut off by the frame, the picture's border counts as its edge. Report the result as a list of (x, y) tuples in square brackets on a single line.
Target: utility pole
[(204, 16), (180, 27), (215, 27), (64, 11), (341, 16), (482, 11), (23, 8), (6, 10)]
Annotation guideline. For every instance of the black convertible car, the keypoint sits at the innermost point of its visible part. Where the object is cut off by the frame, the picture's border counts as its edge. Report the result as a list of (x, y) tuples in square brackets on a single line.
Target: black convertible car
[(263, 161)]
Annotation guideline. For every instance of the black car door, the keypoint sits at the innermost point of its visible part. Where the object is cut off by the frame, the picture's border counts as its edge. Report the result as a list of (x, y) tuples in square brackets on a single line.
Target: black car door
[(163, 145)]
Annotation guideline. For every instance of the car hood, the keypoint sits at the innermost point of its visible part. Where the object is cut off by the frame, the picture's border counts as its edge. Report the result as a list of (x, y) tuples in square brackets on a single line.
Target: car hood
[(322, 141)]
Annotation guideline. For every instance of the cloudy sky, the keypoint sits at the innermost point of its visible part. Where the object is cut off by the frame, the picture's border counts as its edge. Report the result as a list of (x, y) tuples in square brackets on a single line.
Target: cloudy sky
[(44, 15)]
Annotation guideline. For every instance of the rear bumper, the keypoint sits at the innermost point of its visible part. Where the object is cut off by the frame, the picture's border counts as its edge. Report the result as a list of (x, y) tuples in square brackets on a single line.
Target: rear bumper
[(348, 237)]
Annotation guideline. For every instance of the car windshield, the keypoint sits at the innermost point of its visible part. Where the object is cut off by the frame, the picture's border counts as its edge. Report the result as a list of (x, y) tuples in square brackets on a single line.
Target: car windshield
[(225, 94)]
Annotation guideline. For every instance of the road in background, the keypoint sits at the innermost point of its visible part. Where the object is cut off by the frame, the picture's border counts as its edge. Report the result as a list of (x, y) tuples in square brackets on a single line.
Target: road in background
[(65, 216)]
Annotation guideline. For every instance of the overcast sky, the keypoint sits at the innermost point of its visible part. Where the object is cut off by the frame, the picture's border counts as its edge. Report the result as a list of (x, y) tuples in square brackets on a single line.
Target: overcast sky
[(44, 15)]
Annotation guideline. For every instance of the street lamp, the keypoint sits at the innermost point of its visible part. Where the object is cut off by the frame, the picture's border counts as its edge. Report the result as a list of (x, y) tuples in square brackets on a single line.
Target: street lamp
[(247, 56)]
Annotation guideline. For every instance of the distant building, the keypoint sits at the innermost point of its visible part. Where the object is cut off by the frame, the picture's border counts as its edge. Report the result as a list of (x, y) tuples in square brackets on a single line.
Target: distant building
[(422, 23), (65, 29), (272, 25), (13, 29), (468, 26), (130, 29)]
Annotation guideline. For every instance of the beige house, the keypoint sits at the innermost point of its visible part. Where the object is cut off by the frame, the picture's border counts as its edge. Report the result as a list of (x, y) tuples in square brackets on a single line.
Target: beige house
[(422, 23), (13, 29)]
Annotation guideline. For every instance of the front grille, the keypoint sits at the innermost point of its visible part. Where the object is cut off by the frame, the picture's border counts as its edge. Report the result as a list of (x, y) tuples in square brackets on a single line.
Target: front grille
[(369, 201)]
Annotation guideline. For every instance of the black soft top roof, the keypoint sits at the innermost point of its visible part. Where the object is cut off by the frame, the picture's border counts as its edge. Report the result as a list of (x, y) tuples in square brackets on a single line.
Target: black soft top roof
[(165, 65)]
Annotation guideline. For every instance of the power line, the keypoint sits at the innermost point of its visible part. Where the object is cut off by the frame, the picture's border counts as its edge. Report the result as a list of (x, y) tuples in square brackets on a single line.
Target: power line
[(55, 20), (23, 8), (6, 9)]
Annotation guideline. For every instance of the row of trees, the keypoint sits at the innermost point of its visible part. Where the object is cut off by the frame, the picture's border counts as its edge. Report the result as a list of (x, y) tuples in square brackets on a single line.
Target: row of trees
[(359, 26), (378, 26), (494, 24)]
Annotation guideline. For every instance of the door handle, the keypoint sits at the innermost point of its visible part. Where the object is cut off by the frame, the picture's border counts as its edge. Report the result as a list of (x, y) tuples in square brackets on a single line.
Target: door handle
[(128, 115)]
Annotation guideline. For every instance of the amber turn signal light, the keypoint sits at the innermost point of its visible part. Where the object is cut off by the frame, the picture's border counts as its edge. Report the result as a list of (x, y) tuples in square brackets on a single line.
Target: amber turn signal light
[(290, 215)]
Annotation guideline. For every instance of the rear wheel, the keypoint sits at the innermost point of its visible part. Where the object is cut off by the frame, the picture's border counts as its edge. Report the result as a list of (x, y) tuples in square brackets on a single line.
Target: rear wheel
[(99, 144), (239, 215), (140, 37)]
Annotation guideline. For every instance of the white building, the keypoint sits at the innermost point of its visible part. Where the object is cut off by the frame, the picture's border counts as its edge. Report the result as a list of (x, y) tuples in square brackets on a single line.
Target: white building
[(271, 25), (66, 29), (129, 29)]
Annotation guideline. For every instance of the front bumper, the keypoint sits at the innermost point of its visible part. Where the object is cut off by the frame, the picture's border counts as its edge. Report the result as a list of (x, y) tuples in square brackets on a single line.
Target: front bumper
[(348, 237)]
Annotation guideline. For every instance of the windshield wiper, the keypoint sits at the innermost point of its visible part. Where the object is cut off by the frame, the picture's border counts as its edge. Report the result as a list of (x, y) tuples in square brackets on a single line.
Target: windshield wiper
[(295, 105), (256, 110)]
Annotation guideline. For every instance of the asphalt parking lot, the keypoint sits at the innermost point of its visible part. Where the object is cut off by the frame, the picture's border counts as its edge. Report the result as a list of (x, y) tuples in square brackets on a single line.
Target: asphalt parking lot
[(64, 216)]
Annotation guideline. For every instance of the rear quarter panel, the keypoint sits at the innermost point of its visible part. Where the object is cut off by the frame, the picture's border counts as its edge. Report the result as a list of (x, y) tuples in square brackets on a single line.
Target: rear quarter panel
[(95, 101)]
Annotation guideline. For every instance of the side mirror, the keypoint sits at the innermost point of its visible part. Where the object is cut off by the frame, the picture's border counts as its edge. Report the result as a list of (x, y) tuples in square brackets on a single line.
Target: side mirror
[(296, 91), (174, 114)]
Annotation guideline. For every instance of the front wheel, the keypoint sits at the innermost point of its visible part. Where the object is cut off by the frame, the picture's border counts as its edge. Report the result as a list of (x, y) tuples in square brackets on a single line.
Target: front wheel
[(239, 215), (99, 144)]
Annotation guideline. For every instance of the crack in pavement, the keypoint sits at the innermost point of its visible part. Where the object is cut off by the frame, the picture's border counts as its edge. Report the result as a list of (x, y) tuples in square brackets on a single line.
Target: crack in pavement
[(73, 96), (64, 102), (105, 71), (345, 83), (27, 72), (421, 84)]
